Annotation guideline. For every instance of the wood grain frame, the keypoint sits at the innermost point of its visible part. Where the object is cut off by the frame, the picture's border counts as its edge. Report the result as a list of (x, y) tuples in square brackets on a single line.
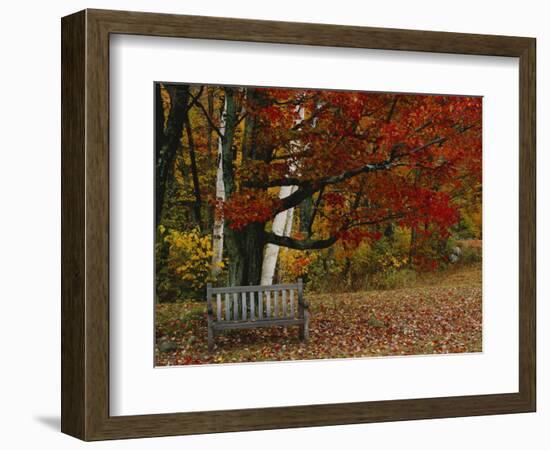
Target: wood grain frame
[(85, 224)]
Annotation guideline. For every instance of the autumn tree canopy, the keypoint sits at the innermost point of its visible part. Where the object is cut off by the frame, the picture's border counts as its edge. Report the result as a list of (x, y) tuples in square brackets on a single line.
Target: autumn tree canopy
[(350, 164)]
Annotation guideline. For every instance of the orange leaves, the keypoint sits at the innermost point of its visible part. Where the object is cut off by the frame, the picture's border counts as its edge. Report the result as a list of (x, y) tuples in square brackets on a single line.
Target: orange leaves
[(295, 263), (249, 206), (426, 151), (432, 141), (354, 236), (334, 199)]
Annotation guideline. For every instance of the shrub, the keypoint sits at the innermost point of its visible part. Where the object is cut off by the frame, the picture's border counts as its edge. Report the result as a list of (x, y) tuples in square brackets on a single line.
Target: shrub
[(184, 264), (295, 264), (470, 254), (393, 279), (344, 268), (469, 226)]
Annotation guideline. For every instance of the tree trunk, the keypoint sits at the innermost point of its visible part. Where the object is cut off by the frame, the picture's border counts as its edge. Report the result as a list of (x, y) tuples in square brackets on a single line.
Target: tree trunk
[(282, 223), (280, 227), (227, 142), (194, 172), (232, 238), (218, 228), (245, 250), (289, 218), (167, 140), (412, 247), (347, 272), (254, 249), (210, 106), (306, 211), (244, 246), (210, 212)]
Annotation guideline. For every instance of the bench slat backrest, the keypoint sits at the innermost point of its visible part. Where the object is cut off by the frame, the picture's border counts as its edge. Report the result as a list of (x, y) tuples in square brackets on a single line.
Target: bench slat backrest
[(250, 303), (219, 306), (271, 287)]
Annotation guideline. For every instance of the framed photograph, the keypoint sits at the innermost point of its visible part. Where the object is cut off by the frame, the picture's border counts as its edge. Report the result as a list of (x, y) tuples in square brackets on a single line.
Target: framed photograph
[(273, 225)]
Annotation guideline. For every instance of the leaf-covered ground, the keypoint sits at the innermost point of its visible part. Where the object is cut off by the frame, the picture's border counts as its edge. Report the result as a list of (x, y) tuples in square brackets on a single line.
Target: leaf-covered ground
[(443, 314)]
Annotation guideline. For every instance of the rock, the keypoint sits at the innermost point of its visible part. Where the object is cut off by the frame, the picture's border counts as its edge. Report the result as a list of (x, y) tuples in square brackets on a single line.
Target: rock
[(457, 251), (167, 346), (453, 258)]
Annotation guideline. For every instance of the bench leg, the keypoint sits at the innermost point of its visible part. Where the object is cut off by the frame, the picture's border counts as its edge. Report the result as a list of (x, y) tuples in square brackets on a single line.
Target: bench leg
[(210, 317), (210, 339), (304, 328)]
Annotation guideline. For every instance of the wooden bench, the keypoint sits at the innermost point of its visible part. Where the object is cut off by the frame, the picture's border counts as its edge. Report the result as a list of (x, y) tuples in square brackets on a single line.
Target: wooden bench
[(241, 307)]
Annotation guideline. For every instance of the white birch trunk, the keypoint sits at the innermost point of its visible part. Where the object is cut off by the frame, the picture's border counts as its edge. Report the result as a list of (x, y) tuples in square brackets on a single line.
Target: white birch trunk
[(289, 218), (282, 226), (217, 237)]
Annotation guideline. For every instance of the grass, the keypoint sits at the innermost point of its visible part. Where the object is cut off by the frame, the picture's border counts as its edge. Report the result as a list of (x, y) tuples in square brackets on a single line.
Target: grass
[(440, 313)]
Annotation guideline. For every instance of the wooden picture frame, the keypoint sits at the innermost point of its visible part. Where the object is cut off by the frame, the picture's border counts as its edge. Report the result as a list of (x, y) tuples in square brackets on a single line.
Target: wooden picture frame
[(85, 224)]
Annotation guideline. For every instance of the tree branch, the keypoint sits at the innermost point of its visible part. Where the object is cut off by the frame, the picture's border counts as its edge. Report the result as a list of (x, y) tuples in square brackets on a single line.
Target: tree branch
[(373, 221), (292, 155), (307, 188), (315, 209), (240, 119), (195, 101), (299, 244), (319, 244), (392, 109), (194, 171), (310, 119)]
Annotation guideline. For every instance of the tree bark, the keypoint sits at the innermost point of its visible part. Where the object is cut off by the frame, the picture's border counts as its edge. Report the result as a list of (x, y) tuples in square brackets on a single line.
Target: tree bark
[(218, 227), (244, 246), (412, 247), (194, 173), (282, 227), (297, 244), (210, 212), (168, 139), (245, 249), (210, 106), (232, 238), (282, 223), (306, 212), (289, 221), (227, 142)]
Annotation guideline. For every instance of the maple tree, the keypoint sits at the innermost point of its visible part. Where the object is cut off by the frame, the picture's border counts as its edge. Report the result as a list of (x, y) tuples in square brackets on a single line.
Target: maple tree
[(356, 163), (355, 192)]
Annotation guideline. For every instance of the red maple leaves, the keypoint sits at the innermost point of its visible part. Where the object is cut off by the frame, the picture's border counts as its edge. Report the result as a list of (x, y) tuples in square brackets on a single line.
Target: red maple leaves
[(424, 149)]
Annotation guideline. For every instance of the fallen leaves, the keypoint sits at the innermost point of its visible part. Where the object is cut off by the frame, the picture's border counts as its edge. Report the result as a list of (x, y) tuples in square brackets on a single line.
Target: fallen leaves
[(433, 319)]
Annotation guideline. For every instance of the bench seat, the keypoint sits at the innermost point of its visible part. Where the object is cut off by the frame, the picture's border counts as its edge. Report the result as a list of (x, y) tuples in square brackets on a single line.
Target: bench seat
[(245, 307), (236, 325)]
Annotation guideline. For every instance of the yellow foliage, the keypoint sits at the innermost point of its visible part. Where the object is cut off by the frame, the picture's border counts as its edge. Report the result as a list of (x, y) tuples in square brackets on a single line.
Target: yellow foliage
[(166, 104), (190, 257), (374, 255), (295, 263)]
